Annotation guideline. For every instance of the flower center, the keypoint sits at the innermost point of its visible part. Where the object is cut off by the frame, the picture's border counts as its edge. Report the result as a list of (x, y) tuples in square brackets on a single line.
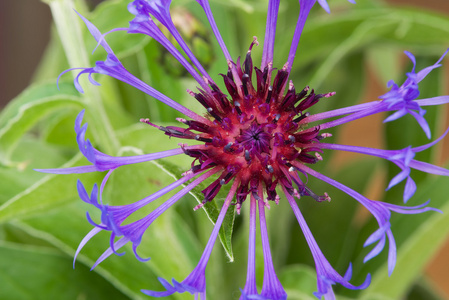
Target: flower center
[(255, 138), (259, 134)]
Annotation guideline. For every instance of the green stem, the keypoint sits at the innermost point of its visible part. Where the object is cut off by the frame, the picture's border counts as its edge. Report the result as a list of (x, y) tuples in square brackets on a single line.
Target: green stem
[(69, 27)]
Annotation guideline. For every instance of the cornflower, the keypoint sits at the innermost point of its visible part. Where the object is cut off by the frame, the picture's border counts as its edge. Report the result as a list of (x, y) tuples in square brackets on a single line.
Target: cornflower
[(257, 140)]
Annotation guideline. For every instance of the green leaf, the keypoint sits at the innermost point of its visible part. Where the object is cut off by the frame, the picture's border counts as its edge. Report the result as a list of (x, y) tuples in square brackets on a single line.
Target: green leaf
[(28, 108), (299, 282), (212, 209), (168, 236), (111, 15), (41, 273), (49, 192), (137, 136), (16, 180), (425, 289)]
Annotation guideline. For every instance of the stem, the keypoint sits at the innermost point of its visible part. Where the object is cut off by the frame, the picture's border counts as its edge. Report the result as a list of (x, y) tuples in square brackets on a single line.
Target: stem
[(69, 30)]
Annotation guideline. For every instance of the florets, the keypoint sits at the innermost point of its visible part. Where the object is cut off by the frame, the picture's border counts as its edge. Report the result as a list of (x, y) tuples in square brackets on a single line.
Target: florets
[(257, 131)]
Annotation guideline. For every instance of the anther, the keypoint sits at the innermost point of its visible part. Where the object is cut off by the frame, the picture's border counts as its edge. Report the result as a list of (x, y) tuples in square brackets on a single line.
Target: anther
[(198, 206), (292, 138), (270, 92), (147, 121), (290, 85), (245, 80), (210, 110), (266, 204), (324, 135), (277, 117), (228, 147), (296, 194), (237, 107), (270, 169), (203, 139), (187, 173), (247, 157)]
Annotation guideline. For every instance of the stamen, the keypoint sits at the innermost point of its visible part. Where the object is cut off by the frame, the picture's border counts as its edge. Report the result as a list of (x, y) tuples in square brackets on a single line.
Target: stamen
[(227, 147), (270, 92), (276, 118), (147, 121), (301, 117), (276, 199), (237, 107), (210, 110), (245, 81), (247, 157), (324, 135), (238, 207), (198, 206)]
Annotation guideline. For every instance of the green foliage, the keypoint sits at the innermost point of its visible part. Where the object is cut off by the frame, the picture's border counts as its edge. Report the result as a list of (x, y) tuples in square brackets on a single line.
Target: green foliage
[(42, 219)]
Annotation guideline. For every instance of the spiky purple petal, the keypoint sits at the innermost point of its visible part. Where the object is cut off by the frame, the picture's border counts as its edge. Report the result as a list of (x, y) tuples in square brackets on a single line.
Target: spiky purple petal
[(195, 283)]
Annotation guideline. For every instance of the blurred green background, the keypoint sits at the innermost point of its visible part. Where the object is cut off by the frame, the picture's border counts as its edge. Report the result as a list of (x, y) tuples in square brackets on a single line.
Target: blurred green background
[(354, 51)]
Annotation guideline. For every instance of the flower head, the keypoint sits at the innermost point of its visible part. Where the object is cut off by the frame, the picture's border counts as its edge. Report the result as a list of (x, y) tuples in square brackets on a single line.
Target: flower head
[(256, 138)]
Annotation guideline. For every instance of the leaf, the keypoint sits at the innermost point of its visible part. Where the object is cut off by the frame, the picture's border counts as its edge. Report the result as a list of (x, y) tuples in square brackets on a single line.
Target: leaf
[(138, 136), (299, 282), (28, 108), (40, 273), (16, 180), (212, 209), (49, 192), (425, 289), (111, 15), (168, 236)]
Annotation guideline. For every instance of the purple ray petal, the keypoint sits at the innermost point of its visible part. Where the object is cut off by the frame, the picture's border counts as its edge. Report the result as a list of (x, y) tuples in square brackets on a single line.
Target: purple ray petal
[(195, 283)]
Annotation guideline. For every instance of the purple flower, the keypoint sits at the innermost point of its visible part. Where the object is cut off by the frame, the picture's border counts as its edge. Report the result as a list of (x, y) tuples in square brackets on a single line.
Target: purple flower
[(400, 99), (325, 6), (255, 138), (402, 158)]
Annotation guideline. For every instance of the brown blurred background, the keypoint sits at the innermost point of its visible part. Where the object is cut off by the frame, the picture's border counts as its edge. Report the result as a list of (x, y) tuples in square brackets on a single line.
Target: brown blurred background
[(24, 33)]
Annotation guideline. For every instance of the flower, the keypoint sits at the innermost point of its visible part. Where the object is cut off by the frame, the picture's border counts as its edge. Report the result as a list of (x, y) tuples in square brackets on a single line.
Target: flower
[(258, 138)]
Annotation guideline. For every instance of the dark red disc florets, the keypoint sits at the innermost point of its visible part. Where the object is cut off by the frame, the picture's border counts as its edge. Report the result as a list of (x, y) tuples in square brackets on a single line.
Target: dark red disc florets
[(258, 133)]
